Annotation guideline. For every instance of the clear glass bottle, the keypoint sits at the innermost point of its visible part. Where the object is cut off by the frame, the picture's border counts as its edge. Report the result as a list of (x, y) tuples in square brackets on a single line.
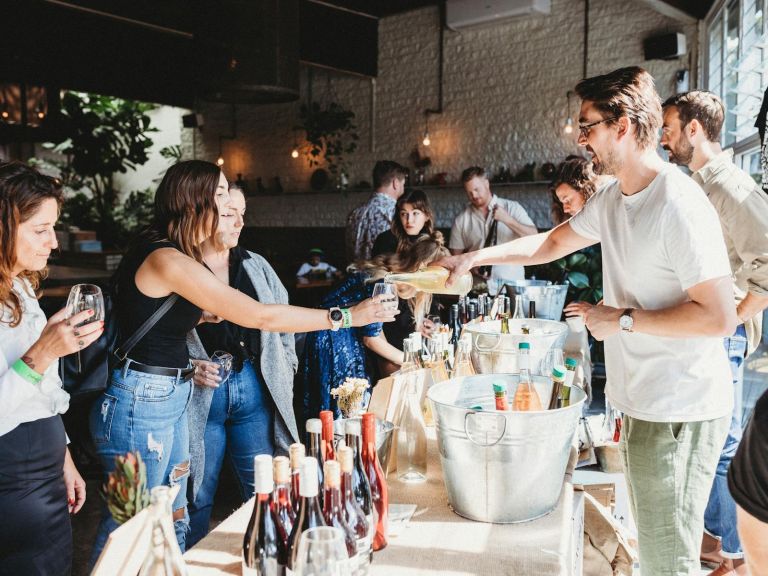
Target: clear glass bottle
[(462, 365), (310, 511), (265, 553), (571, 365), (518, 314), (431, 279), (376, 480), (411, 436), (411, 361), (526, 398), (296, 452), (164, 557)]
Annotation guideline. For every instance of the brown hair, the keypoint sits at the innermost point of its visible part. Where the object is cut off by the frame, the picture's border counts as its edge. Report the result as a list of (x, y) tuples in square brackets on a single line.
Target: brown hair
[(472, 172), (185, 205), (387, 170), (576, 172), (426, 249), (22, 191), (418, 199), (700, 105), (626, 92)]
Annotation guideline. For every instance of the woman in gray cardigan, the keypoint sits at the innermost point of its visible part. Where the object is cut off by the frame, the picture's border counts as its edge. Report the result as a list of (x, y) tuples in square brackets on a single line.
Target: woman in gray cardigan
[(251, 412)]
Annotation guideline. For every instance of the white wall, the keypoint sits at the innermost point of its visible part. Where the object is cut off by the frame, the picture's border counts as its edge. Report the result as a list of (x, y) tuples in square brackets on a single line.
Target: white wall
[(504, 93)]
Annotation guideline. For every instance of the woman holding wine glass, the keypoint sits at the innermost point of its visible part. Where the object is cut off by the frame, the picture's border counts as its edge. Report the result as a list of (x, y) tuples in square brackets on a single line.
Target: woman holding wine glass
[(330, 357), (250, 412), (39, 484), (144, 407)]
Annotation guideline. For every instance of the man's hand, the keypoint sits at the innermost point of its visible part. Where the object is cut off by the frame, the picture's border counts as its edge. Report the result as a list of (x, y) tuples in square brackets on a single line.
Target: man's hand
[(456, 265), (603, 321)]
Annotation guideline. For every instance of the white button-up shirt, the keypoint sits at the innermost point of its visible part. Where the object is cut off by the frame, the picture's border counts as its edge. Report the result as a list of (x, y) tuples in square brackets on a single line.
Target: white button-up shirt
[(20, 400)]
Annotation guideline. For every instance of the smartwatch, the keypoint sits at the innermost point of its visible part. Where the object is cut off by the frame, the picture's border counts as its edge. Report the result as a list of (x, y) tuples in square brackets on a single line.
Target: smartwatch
[(336, 317), (626, 322)]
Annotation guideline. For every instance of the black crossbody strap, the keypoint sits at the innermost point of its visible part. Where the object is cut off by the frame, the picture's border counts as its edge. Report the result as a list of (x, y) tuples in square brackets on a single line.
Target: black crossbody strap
[(123, 351)]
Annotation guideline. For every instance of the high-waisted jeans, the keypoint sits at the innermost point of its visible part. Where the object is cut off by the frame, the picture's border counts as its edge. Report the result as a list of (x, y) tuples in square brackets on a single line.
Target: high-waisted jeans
[(241, 425), (144, 413)]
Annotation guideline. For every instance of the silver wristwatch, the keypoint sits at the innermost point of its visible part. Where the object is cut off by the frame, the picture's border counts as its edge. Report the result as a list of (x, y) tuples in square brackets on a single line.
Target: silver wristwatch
[(626, 322), (336, 317)]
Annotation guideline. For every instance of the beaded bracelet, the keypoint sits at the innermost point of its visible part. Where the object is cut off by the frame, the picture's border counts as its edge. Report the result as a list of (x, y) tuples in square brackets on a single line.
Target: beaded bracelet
[(21, 368), (346, 320)]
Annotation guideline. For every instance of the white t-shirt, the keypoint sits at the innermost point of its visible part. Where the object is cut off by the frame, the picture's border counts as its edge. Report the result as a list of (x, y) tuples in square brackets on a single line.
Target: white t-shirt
[(656, 244), (470, 228), (321, 268)]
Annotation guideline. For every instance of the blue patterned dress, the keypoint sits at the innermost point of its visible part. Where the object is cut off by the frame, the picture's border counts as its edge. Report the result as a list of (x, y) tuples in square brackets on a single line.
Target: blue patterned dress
[(330, 357)]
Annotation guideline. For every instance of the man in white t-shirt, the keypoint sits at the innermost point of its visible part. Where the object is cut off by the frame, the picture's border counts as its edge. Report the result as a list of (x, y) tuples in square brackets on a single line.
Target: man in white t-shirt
[(471, 227), (668, 301)]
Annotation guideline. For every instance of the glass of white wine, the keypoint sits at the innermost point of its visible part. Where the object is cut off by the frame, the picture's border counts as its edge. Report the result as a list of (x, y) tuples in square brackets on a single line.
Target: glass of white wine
[(386, 293), (224, 361), (85, 297)]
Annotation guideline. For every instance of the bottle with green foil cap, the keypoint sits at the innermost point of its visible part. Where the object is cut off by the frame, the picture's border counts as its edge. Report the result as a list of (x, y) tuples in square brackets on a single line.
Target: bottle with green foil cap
[(570, 373), (500, 396), (558, 377)]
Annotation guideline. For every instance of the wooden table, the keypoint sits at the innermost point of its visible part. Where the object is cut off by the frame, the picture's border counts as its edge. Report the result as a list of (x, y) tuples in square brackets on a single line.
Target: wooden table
[(436, 540)]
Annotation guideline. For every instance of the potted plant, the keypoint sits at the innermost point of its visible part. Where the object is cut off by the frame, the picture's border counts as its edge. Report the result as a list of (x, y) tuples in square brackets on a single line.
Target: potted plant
[(330, 133)]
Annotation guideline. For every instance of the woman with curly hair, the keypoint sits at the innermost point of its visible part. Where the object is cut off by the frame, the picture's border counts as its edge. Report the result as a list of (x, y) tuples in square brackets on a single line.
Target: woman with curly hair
[(574, 184)]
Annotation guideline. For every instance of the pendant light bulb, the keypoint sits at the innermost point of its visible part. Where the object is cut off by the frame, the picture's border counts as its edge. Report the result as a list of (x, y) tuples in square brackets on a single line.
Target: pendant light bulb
[(220, 161), (294, 153), (426, 140), (568, 128)]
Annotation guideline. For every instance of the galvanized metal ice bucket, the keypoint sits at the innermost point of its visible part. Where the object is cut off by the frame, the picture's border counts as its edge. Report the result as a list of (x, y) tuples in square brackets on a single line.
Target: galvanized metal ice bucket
[(549, 298), (496, 353), (502, 467)]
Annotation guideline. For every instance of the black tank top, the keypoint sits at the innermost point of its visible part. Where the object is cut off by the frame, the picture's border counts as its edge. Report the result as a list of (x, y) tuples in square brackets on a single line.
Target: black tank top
[(166, 343)]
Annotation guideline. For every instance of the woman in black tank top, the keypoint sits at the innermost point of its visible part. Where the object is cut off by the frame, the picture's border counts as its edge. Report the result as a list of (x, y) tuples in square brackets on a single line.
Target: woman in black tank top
[(144, 406)]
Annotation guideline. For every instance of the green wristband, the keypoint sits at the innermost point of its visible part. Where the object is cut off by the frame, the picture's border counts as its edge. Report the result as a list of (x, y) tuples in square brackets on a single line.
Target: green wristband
[(346, 318), (21, 368)]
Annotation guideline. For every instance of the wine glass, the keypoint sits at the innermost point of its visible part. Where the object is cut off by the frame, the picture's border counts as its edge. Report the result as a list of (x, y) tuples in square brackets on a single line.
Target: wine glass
[(86, 297), (322, 553), (224, 360), (387, 294), (553, 357)]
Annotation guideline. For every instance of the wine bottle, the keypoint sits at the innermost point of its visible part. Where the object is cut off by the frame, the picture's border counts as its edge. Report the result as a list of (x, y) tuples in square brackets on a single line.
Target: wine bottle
[(326, 417), (376, 480), (500, 396), (558, 377), (532, 309), (360, 484), (353, 513), (526, 398), (164, 557), (310, 514), (455, 324), (282, 507), (518, 314), (462, 365), (315, 450), (431, 279), (570, 366), (296, 452), (332, 510), (410, 360), (264, 551), (411, 436)]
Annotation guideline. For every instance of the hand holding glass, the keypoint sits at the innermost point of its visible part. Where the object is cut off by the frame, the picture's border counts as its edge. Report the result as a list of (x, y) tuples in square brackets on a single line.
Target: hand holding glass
[(386, 294), (86, 297), (224, 360)]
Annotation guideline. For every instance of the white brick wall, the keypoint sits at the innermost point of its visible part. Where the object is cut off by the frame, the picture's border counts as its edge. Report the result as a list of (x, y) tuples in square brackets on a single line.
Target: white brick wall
[(504, 93)]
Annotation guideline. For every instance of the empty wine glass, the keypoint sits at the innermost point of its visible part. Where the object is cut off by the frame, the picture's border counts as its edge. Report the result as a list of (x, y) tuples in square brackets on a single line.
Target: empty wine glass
[(224, 360), (322, 553), (387, 294), (86, 297), (553, 357)]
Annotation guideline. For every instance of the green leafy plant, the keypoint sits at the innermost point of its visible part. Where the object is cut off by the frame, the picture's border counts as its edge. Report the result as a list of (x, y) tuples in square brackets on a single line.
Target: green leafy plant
[(331, 134), (106, 136), (583, 271), (126, 490)]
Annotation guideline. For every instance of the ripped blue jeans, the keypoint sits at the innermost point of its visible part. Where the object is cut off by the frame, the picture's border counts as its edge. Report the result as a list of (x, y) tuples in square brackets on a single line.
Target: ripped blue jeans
[(144, 413)]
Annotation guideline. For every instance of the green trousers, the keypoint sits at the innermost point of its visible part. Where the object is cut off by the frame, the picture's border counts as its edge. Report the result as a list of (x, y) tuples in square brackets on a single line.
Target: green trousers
[(669, 469)]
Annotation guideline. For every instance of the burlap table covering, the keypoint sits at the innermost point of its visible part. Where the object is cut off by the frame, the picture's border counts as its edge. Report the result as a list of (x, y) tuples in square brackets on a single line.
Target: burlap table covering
[(436, 540)]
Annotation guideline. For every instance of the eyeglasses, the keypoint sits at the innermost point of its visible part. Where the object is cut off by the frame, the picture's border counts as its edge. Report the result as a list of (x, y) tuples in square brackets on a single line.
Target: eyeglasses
[(585, 128)]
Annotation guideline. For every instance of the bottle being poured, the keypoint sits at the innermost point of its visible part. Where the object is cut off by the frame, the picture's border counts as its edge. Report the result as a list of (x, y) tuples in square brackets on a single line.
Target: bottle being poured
[(432, 279)]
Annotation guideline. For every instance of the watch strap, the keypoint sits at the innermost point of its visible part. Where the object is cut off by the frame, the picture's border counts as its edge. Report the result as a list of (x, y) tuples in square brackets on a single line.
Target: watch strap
[(346, 318)]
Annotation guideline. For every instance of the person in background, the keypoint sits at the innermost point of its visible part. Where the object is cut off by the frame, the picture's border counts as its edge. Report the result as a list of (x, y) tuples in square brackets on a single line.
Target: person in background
[(330, 356), (693, 122), (747, 482), (39, 484), (144, 407), (668, 302), (251, 412), (413, 218), (373, 217), (575, 182), (471, 226), (315, 267)]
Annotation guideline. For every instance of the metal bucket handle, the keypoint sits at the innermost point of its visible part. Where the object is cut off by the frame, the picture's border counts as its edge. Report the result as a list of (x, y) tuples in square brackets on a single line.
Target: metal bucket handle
[(484, 427), (489, 335)]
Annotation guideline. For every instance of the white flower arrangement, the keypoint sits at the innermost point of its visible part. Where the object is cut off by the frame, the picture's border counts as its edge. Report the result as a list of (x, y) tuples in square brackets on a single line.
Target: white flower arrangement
[(350, 396)]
